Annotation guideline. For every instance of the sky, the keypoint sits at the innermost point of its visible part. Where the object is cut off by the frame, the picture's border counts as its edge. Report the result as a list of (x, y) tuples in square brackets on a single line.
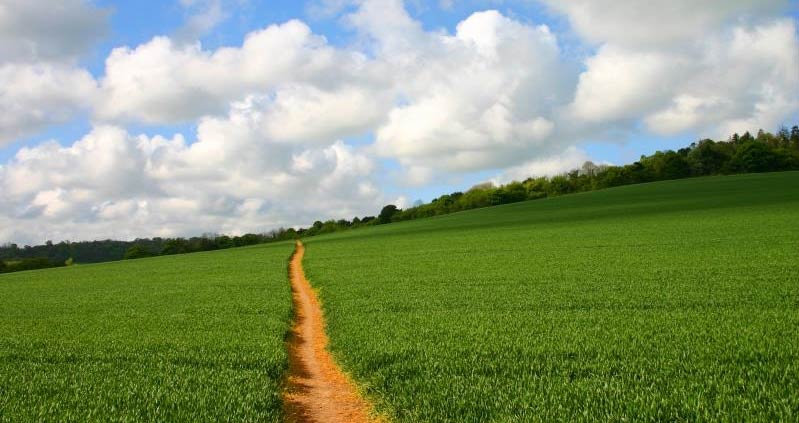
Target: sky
[(125, 119)]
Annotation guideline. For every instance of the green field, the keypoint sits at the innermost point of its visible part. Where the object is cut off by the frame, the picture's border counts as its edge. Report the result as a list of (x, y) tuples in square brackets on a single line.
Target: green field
[(674, 301), (195, 337), (671, 301)]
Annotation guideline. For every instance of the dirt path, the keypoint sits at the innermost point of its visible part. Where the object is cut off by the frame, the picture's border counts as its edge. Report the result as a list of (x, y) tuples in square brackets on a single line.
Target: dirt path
[(317, 389)]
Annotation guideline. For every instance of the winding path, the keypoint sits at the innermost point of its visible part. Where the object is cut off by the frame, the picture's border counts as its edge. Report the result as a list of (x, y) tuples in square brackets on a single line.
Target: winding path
[(317, 390)]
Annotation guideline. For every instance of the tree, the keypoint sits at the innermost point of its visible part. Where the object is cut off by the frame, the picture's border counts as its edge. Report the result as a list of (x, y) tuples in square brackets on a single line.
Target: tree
[(589, 169), (784, 136), (2, 266), (708, 158), (387, 213), (137, 252), (175, 246), (510, 193), (795, 137), (560, 185), (225, 241), (754, 157)]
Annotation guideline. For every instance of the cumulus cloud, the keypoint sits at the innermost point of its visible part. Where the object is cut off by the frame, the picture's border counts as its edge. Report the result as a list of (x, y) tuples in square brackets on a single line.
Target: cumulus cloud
[(230, 179), (205, 15), (570, 159), (39, 44), (164, 82), (714, 67), (33, 96), (659, 23), (42, 30), (480, 98), (744, 80)]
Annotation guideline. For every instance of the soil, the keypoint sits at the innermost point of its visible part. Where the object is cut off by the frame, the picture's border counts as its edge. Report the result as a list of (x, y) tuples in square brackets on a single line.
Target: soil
[(317, 390)]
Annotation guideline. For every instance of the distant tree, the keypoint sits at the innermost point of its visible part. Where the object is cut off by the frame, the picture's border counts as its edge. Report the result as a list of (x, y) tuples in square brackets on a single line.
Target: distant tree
[(510, 193), (224, 241), (795, 137), (137, 252), (666, 165), (175, 246), (387, 213), (784, 135), (2, 266), (31, 264), (754, 157), (589, 169), (560, 184), (246, 239)]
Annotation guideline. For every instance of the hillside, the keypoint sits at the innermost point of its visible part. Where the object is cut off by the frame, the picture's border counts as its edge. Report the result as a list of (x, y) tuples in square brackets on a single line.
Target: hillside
[(196, 337), (673, 300)]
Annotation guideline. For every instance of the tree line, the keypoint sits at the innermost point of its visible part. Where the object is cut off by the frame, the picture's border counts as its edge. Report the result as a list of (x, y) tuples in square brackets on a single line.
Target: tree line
[(747, 153), (15, 258), (764, 152)]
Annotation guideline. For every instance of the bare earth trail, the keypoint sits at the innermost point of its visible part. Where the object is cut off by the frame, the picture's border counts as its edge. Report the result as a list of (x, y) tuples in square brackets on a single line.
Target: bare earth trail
[(317, 390)]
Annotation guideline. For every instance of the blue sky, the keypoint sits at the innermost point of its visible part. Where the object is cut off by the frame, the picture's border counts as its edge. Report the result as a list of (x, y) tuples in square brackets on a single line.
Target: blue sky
[(378, 101)]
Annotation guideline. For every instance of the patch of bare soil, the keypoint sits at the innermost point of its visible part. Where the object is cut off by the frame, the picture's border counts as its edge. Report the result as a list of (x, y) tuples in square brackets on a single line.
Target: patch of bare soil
[(317, 390)]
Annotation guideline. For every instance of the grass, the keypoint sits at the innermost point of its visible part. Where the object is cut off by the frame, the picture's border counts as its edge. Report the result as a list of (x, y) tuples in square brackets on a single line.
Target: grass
[(196, 337), (672, 301)]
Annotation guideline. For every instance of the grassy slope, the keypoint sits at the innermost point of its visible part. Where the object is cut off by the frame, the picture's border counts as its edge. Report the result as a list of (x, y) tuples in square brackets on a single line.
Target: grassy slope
[(196, 337), (676, 300)]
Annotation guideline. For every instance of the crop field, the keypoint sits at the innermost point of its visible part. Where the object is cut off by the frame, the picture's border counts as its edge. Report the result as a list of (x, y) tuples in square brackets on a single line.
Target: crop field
[(195, 337), (672, 301)]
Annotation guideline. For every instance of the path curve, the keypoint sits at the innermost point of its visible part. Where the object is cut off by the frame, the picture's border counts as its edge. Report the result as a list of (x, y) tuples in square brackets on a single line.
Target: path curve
[(317, 390)]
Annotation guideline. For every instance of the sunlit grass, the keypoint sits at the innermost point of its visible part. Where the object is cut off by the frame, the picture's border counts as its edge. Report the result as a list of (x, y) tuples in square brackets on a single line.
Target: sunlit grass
[(196, 337), (675, 301)]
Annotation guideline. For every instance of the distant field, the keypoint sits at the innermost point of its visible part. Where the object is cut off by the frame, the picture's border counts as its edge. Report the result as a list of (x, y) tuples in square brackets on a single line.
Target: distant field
[(674, 301), (196, 337)]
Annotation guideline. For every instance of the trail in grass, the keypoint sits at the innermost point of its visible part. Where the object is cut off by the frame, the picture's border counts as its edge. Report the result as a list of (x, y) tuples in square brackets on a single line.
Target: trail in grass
[(317, 390)]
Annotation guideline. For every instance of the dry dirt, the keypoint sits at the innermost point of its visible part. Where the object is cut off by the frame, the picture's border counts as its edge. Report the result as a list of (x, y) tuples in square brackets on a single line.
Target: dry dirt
[(317, 391)]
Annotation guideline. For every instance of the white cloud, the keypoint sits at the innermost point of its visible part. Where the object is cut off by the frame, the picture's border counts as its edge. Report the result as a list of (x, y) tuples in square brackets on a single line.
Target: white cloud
[(35, 30), (305, 112), (711, 67), (231, 179), (744, 80), (570, 159), (482, 97), (162, 82), (623, 84), (659, 23), (33, 96), (205, 15), (39, 43)]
